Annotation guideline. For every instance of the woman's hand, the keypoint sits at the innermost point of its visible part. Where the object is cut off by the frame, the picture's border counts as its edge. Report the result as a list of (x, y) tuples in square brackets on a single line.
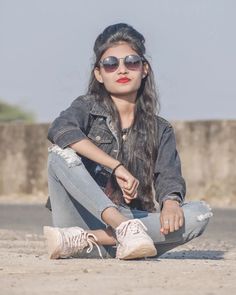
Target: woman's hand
[(171, 217), (127, 182)]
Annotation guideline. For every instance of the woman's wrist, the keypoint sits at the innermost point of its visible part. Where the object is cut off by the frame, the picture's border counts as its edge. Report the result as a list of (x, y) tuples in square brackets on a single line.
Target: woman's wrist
[(169, 202), (117, 166), (113, 163)]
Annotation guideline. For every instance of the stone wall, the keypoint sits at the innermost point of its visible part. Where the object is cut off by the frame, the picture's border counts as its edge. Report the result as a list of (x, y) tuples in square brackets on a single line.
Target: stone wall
[(207, 150)]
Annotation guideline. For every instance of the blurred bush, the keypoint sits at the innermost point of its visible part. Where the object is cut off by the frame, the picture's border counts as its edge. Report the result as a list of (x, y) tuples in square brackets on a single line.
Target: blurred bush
[(14, 113)]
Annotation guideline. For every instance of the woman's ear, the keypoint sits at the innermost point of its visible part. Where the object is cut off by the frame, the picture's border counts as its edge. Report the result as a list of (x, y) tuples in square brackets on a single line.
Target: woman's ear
[(98, 75), (145, 70)]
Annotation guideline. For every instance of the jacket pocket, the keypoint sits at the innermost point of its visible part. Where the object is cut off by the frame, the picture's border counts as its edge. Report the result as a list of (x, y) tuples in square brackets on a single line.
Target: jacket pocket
[(100, 136)]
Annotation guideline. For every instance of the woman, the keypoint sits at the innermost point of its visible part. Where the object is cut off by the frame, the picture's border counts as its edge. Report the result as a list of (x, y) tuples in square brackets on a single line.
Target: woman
[(112, 158)]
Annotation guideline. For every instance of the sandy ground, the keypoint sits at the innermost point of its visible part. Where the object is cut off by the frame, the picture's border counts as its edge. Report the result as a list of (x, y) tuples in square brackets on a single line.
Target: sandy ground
[(206, 265)]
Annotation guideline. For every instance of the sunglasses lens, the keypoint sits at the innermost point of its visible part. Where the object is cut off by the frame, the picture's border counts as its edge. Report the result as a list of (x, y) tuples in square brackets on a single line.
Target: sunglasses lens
[(133, 62), (110, 64)]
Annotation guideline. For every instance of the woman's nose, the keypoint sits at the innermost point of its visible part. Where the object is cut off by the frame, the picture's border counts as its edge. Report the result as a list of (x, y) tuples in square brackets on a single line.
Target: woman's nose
[(122, 68)]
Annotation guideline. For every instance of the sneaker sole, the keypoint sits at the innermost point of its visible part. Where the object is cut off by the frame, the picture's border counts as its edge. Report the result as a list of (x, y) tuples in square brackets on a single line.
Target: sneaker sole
[(141, 252), (52, 244)]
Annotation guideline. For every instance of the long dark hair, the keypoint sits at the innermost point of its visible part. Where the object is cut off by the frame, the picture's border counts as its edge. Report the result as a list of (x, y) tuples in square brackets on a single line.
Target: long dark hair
[(146, 110)]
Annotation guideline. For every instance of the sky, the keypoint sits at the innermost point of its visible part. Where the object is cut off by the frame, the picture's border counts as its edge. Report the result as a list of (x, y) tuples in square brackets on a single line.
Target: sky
[(46, 52)]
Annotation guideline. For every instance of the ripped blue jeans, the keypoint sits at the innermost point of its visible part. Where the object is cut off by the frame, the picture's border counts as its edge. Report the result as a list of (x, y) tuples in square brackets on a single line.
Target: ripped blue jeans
[(77, 200)]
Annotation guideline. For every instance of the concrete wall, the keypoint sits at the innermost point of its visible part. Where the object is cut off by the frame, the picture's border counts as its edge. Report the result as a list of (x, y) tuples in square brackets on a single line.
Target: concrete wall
[(208, 154), (207, 150), (23, 156)]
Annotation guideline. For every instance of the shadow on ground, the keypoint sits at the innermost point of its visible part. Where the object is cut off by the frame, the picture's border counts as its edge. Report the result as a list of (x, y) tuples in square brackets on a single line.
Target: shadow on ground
[(195, 254)]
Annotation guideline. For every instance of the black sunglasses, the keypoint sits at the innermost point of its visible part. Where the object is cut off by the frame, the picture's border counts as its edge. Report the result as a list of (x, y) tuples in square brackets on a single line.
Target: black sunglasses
[(131, 62)]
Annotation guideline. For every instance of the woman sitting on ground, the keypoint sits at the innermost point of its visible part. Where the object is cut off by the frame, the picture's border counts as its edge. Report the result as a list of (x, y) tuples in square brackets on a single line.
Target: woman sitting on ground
[(113, 159)]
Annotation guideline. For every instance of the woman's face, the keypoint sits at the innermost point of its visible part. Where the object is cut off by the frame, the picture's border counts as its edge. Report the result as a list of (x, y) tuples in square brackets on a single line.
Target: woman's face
[(113, 81)]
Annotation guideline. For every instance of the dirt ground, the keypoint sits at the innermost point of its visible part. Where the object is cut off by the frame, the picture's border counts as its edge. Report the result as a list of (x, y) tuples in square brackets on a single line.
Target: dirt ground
[(206, 265)]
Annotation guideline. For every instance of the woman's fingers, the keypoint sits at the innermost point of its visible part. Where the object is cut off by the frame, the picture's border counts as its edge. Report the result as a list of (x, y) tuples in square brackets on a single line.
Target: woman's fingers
[(133, 188), (181, 220), (171, 224), (130, 182), (177, 221), (127, 182), (171, 217), (127, 201), (132, 194), (163, 230), (129, 197)]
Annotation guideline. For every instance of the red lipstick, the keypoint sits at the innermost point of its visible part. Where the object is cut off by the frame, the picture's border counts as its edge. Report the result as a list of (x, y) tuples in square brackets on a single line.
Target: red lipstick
[(123, 80)]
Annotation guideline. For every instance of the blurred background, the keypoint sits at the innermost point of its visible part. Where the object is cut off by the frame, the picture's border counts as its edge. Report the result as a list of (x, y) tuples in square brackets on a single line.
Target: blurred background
[(46, 55), (46, 52)]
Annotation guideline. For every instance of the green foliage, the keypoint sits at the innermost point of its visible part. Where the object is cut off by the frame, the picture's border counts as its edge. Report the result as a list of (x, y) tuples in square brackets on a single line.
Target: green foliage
[(12, 113)]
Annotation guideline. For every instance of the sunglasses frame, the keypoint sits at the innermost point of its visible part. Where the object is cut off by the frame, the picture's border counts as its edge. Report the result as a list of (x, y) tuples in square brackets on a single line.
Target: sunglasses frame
[(101, 62)]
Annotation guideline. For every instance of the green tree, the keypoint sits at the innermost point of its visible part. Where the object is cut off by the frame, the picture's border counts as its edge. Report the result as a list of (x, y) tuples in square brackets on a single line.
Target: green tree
[(12, 113)]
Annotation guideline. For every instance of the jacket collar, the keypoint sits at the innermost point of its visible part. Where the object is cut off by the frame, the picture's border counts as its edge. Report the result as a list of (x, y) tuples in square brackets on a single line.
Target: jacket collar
[(98, 109)]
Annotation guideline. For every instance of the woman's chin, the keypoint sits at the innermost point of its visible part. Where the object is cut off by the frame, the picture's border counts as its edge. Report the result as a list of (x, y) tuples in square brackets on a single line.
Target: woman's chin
[(124, 93)]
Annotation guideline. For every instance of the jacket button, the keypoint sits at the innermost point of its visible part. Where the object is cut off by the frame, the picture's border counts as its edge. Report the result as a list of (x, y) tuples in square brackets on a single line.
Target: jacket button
[(98, 138)]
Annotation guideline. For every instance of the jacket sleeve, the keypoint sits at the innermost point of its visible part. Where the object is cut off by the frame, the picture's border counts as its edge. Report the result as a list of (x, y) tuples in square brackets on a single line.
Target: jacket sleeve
[(71, 124), (168, 178)]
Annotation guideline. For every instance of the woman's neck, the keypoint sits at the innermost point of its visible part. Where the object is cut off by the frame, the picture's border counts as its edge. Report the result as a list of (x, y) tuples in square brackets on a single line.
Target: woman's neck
[(125, 107)]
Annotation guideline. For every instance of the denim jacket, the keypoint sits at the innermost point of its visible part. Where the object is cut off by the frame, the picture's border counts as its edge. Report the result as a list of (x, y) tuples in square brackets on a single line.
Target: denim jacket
[(87, 118)]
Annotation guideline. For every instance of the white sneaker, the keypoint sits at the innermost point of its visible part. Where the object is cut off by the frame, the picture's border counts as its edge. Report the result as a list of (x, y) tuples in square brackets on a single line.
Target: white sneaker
[(133, 241), (68, 242)]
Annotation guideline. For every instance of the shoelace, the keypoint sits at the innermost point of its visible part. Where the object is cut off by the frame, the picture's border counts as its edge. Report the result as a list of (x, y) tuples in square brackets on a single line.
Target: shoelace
[(77, 242), (133, 226), (92, 242)]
